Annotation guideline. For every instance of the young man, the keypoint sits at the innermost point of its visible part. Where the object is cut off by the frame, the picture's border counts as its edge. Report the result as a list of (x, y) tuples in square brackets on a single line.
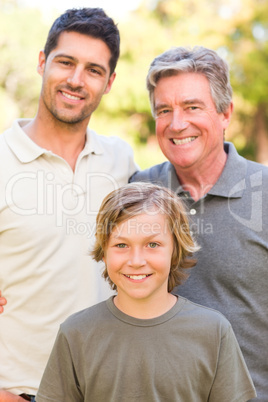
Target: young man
[(191, 99), (145, 344), (54, 174)]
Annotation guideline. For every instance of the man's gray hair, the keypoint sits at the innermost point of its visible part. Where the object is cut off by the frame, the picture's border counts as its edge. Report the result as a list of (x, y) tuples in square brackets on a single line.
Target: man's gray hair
[(193, 60)]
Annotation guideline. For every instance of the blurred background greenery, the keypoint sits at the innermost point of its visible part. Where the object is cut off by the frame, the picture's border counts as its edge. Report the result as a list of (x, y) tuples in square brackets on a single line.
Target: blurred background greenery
[(236, 29)]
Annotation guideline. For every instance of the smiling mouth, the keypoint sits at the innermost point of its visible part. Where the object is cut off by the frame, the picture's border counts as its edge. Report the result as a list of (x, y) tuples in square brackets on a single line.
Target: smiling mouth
[(137, 277), (72, 97), (183, 141)]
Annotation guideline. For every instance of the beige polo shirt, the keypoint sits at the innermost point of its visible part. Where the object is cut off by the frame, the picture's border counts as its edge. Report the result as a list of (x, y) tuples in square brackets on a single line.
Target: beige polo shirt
[(47, 224)]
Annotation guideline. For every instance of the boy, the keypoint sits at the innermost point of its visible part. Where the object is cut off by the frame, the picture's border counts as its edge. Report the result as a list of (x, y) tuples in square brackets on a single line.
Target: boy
[(145, 344)]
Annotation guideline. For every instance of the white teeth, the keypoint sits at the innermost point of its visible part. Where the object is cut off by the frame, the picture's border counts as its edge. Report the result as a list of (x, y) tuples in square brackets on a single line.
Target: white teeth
[(70, 96), (137, 277), (183, 141)]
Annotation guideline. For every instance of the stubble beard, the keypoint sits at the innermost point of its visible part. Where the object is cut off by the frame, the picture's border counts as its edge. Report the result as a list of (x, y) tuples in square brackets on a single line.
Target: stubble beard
[(66, 118), (63, 116)]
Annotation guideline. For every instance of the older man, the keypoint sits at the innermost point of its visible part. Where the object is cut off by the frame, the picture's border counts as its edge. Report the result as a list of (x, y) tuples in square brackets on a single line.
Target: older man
[(191, 101)]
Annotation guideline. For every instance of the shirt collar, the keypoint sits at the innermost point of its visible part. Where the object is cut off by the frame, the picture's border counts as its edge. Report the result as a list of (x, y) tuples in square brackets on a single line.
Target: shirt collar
[(27, 150), (93, 144), (23, 147), (231, 181)]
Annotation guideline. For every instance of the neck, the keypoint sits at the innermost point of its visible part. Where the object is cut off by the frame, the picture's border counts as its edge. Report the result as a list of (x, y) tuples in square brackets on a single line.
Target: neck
[(64, 140), (199, 181), (143, 308)]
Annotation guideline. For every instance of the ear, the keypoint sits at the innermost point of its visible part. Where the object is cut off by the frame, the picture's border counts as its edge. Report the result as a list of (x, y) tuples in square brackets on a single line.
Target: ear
[(227, 115), (41, 63), (110, 83)]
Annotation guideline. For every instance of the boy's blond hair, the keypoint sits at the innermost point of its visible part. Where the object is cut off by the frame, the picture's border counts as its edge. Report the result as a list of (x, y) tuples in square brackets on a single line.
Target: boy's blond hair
[(139, 198)]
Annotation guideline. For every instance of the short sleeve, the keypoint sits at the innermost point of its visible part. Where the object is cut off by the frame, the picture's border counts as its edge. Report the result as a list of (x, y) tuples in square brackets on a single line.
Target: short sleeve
[(59, 382), (232, 381)]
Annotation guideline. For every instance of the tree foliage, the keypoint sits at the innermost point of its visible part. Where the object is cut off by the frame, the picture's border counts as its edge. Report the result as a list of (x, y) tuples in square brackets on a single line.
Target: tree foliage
[(237, 29), (22, 36)]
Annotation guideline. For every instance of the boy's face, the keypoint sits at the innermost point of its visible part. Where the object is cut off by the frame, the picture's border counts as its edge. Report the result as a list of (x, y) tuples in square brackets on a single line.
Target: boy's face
[(138, 258)]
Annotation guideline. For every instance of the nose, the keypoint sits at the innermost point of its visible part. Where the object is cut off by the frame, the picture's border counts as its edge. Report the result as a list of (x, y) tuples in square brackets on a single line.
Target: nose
[(178, 122), (136, 258), (76, 78)]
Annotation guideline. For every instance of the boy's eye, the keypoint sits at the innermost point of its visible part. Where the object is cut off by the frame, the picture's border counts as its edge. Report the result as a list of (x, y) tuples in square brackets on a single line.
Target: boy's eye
[(121, 245), (152, 244)]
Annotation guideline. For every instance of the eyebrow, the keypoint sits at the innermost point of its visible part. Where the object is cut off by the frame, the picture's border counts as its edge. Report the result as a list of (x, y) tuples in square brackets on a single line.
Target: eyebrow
[(123, 238), (88, 64), (161, 106), (192, 101)]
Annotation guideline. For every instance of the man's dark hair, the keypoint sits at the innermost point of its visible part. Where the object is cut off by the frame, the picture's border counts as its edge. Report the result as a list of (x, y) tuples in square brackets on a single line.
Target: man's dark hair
[(87, 21)]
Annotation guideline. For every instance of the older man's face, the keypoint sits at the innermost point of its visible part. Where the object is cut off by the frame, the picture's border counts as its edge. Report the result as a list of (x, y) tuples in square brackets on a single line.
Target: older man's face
[(188, 128)]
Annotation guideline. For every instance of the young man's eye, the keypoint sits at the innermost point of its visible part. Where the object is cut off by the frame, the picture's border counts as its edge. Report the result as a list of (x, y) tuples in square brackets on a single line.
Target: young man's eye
[(65, 63), (94, 71)]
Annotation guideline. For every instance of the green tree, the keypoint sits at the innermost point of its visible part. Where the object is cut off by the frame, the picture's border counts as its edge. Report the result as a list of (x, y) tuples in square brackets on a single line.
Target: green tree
[(248, 44), (22, 36), (237, 29)]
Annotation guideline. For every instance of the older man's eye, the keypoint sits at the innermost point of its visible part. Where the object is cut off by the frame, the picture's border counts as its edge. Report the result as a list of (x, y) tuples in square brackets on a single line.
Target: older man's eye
[(162, 112)]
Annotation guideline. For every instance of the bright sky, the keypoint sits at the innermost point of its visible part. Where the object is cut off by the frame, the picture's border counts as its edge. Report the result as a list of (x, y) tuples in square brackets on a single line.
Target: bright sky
[(114, 8)]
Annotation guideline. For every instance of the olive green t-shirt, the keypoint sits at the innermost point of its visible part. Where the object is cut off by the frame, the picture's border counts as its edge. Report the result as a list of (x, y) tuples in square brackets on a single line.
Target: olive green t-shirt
[(188, 354)]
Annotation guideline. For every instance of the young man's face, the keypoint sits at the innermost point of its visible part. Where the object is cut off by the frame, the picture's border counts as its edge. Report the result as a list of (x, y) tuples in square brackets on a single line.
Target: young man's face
[(75, 76), (138, 258), (188, 128)]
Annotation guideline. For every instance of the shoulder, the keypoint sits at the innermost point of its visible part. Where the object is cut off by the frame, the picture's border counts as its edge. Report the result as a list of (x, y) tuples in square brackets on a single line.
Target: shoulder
[(251, 167), (110, 143), (3, 144), (3, 139), (9, 143), (256, 177), (208, 317), (14, 137), (156, 174), (79, 321), (255, 167)]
